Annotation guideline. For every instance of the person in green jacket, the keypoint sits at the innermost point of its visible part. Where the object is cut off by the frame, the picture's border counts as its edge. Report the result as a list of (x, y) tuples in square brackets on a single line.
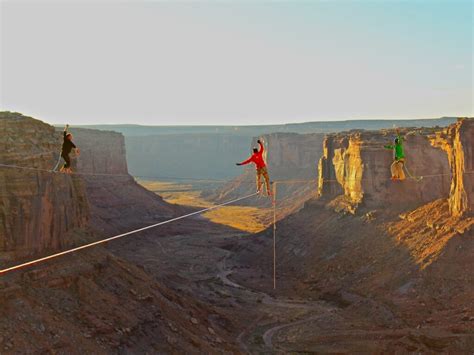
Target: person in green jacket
[(399, 158)]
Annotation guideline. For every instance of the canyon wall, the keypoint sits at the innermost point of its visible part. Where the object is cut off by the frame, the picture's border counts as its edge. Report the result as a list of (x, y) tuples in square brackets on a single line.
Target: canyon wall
[(355, 167), (101, 151), (181, 156), (208, 152), (117, 202), (42, 210), (351, 168), (392, 269), (457, 141), (38, 209)]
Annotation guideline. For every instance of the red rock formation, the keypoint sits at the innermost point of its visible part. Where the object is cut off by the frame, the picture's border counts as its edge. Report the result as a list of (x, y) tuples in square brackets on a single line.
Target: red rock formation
[(37, 209), (457, 141), (356, 167), (399, 273), (40, 210)]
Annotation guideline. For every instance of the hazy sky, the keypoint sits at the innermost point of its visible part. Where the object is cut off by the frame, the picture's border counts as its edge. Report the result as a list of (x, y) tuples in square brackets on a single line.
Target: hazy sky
[(231, 62)]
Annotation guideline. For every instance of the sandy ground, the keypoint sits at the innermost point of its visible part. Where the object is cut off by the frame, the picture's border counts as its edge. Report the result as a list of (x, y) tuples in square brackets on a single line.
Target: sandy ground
[(244, 218)]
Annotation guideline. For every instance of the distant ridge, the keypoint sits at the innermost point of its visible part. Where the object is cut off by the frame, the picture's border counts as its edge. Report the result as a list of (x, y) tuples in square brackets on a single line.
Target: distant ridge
[(212, 151), (251, 131)]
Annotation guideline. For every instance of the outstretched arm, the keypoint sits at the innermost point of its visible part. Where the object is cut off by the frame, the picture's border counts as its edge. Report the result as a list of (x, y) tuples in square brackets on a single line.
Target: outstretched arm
[(388, 146), (261, 150), (65, 131), (249, 160)]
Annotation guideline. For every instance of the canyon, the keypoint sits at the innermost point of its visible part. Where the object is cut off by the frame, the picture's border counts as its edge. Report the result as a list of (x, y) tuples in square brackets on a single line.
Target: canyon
[(392, 257), (364, 264), (210, 152), (92, 301)]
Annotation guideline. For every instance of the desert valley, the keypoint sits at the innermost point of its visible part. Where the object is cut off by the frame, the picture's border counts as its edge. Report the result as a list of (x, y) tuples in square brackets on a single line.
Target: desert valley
[(363, 263)]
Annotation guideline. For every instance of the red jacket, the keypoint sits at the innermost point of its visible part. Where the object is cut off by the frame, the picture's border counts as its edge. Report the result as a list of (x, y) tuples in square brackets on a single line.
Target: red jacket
[(256, 158)]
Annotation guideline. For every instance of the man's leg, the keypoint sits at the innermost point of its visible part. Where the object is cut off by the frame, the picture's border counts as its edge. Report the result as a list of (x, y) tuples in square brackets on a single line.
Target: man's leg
[(267, 181), (63, 167), (67, 164), (401, 173), (259, 180), (393, 170)]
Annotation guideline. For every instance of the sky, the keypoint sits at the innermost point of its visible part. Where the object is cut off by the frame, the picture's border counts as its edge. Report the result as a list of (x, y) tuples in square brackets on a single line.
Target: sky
[(235, 62)]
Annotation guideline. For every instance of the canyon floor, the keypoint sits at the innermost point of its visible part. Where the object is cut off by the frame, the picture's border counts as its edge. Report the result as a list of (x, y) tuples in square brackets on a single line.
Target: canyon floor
[(363, 265), (200, 264), (205, 285), (365, 283), (217, 261)]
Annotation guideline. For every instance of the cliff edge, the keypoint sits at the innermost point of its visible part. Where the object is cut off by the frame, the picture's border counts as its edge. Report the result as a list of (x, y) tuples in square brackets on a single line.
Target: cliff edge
[(38, 210), (457, 141)]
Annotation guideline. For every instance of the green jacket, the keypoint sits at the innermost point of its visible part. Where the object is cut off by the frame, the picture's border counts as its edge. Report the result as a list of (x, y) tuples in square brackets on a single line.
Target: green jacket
[(398, 148)]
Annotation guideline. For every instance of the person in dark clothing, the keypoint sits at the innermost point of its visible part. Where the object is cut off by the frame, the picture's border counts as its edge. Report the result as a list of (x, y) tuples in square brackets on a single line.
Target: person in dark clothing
[(68, 146)]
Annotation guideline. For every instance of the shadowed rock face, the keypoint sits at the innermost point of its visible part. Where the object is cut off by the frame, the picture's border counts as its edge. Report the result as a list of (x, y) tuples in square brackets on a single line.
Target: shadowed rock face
[(41, 211), (117, 202), (457, 141), (356, 166), (101, 151), (37, 209)]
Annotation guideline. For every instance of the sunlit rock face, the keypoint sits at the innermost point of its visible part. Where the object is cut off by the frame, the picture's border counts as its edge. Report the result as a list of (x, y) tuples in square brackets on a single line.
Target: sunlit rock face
[(38, 209), (457, 141), (356, 167)]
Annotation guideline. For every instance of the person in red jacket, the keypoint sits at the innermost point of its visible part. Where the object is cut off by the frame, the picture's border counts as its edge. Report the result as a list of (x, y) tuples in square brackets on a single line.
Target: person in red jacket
[(257, 159)]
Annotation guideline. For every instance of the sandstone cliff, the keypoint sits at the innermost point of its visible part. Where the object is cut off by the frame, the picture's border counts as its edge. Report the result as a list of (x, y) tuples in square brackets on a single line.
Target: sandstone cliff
[(457, 141), (356, 167), (42, 210), (101, 151), (90, 301), (38, 210)]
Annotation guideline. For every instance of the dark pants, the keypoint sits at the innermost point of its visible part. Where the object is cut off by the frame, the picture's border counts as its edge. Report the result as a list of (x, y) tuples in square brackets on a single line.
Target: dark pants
[(67, 160)]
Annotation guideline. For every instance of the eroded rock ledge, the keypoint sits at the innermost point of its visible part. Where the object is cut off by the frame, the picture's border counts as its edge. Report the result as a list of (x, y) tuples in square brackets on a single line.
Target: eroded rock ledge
[(457, 141)]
